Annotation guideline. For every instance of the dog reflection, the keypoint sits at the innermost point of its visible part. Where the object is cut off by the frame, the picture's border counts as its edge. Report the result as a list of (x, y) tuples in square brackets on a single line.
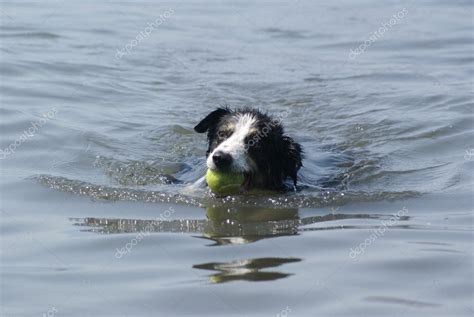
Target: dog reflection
[(232, 225), (226, 225), (223, 226), (246, 270), (249, 224)]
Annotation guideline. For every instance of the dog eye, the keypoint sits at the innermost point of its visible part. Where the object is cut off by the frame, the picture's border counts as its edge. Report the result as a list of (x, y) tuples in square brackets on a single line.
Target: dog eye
[(224, 134)]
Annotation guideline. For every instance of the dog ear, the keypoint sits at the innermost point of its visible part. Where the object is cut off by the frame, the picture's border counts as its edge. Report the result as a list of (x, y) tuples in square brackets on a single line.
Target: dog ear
[(293, 157), (211, 120)]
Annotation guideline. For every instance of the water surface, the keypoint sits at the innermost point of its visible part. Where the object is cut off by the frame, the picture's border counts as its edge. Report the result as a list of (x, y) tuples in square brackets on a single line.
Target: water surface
[(99, 217)]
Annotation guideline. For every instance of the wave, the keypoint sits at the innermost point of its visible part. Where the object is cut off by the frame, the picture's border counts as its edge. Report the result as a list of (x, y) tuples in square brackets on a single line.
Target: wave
[(193, 196)]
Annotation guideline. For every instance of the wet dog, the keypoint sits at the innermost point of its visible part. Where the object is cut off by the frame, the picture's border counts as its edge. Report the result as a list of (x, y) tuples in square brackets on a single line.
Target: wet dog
[(253, 143)]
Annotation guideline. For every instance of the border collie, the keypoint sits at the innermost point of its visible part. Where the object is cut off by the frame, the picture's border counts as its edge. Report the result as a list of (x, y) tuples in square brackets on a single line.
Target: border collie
[(253, 143)]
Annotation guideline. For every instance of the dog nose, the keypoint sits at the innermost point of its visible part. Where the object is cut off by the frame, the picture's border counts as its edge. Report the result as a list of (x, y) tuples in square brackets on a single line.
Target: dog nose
[(222, 159)]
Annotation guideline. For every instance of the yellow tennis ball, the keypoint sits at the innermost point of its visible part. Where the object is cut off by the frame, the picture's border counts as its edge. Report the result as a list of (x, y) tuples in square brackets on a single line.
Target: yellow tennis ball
[(224, 183)]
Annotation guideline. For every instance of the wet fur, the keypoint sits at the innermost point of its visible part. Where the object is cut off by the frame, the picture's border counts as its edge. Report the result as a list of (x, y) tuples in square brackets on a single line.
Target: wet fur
[(275, 157)]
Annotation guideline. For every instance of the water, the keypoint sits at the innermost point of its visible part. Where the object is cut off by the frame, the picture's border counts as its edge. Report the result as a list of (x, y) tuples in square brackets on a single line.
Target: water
[(92, 226)]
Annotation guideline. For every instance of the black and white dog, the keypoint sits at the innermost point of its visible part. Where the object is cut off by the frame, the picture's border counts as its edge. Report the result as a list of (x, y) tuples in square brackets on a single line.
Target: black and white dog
[(250, 142)]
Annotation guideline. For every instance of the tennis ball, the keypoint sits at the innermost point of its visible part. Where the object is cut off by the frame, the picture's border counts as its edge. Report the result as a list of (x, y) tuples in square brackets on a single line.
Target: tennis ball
[(224, 183)]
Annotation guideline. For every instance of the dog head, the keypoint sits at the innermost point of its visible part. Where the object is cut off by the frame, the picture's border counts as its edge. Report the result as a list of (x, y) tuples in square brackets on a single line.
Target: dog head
[(250, 142)]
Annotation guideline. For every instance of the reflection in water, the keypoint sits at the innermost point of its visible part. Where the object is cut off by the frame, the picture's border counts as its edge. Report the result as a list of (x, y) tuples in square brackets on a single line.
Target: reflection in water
[(229, 225), (249, 224), (246, 270), (233, 225)]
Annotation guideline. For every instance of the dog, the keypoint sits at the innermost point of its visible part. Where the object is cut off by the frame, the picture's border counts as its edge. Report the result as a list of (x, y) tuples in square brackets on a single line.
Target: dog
[(253, 143)]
